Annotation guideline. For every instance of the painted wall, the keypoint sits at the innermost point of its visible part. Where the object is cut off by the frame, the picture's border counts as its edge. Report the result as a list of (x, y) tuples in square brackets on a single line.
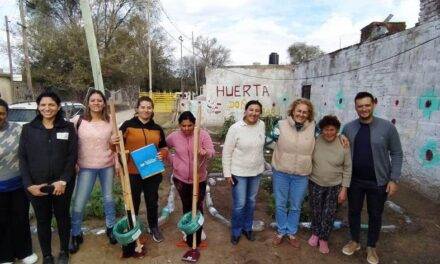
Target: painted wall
[(229, 88), (403, 72)]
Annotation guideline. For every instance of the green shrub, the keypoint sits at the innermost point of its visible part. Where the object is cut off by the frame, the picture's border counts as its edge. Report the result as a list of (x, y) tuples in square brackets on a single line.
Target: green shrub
[(226, 125), (215, 165), (94, 207)]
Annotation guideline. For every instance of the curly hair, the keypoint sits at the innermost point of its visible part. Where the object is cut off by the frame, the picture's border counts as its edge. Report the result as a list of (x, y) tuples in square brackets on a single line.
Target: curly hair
[(329, 120), (305, 102)]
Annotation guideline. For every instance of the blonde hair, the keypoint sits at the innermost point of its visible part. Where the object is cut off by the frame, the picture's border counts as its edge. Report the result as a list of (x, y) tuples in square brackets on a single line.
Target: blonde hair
[(305, 102)]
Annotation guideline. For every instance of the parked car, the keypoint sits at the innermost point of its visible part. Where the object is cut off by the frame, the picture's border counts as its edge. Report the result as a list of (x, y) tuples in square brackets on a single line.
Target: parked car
[(23, 113)]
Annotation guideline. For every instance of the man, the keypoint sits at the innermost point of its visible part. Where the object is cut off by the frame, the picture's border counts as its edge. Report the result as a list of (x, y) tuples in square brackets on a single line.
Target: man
[(377, 163)]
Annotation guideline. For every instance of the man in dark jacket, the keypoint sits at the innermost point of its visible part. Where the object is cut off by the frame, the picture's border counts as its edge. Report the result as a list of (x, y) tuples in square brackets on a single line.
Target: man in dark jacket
[(377, 163), (48, 154)]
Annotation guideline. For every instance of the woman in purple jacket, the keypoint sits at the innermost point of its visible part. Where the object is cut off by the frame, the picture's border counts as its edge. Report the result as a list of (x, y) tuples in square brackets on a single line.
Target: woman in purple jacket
[(182, 159)]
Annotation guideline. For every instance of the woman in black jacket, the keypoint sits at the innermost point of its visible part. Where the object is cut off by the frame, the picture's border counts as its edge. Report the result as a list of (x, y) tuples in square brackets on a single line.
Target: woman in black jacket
[(48, 153)]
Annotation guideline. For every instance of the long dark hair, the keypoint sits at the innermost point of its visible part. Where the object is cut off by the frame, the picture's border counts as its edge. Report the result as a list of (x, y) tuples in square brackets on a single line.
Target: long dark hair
[(56, 98), (104, 113)]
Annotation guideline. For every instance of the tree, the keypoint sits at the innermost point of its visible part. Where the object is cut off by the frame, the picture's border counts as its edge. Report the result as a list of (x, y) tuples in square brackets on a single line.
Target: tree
[(209, 53), (301, 52), (60, 57)]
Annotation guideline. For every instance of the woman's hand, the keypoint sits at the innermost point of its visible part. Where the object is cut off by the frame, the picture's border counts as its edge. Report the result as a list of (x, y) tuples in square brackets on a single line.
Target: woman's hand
[(202, 152), (159, 156), (230, 180), (342, 195), (35, 190), (114, 139), (60, 187), (344, 141)]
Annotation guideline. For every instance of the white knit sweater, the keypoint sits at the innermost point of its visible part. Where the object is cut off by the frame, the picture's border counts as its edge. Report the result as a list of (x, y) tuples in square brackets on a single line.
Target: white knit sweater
[(243, 150)]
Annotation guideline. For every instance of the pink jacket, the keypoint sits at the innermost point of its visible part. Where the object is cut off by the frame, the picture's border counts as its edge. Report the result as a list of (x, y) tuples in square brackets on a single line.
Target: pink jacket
[(182, 159)]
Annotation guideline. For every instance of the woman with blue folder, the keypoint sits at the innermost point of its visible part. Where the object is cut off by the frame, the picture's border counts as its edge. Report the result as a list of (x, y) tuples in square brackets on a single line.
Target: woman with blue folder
[(140, 131)]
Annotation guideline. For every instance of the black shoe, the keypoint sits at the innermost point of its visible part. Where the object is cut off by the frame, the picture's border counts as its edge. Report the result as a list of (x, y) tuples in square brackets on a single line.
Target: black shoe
[(111, 238), (48, 260), (249, 235), (63, 258), (235, 239), (75, 241), (157, 235)]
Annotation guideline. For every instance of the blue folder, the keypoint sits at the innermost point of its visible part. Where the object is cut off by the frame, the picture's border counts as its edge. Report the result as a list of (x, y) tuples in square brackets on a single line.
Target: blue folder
[(146, 161)]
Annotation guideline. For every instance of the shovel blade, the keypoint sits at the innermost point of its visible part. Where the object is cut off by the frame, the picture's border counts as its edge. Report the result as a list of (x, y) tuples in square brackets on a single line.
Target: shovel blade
[(191, 255)]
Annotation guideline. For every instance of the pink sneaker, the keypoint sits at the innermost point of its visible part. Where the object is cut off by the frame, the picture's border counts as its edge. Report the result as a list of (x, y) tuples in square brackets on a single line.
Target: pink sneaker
[(313, 240), (323, 247)]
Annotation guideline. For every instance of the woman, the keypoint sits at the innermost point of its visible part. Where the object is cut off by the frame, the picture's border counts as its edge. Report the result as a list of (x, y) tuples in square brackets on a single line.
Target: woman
[(243, 162), (182, 162), (96, 159), (330, 178), (292, 164), (15, 235), (138, 132), (47, 153)]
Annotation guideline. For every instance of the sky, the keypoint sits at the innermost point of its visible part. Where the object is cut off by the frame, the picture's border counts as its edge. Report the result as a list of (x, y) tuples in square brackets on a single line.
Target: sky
[(252, 29)]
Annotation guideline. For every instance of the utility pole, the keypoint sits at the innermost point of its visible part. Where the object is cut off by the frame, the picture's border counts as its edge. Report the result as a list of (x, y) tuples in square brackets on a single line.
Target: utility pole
[(91, 44), (150, 72), (181, 64), (194, 63), (26, 50), (9, 49)]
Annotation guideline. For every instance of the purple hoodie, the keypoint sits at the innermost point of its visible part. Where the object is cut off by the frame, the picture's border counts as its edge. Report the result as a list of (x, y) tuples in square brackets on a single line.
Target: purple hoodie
[(182, 159)]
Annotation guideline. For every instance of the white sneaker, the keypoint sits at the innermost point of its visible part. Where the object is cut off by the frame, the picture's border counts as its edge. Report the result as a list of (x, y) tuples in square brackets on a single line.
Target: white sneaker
[(31, 259)]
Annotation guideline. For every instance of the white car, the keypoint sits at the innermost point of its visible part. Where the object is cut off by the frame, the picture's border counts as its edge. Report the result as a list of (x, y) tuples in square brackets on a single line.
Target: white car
[(23, 113)]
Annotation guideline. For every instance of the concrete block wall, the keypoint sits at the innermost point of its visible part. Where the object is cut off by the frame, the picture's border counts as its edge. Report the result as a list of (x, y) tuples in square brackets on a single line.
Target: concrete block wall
[(402, 71), (429, 10), (228, 89)]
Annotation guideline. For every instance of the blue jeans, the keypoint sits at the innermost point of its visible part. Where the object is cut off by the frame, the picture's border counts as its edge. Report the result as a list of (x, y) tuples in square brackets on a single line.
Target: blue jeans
[(289, 189), (244, 194), (84, 186)]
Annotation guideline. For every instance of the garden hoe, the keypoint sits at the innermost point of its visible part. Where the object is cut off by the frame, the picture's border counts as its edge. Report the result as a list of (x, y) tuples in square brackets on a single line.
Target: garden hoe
[(193, 254), (125, 182)]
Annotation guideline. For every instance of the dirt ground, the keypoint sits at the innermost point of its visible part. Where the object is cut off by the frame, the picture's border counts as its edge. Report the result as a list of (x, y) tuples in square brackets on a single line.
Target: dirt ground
[(415, 243)]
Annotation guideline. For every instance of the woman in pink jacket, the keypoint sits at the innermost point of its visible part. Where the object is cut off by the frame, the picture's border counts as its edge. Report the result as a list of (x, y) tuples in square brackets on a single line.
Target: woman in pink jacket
[(182, 159)]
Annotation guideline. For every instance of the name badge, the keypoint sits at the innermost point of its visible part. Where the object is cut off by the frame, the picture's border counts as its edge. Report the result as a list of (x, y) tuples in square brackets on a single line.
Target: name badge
[(63, 135)]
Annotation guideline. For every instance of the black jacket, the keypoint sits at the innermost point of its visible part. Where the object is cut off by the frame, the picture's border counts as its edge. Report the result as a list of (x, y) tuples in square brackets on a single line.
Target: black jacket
[(48, 155)]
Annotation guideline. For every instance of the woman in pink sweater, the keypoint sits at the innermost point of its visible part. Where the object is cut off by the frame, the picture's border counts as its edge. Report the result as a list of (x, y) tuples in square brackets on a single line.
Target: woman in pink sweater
[(96, 159), (182, 159)]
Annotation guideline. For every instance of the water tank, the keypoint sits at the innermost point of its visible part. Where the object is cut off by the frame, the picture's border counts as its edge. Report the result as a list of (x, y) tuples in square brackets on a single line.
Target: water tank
[(274, 58)]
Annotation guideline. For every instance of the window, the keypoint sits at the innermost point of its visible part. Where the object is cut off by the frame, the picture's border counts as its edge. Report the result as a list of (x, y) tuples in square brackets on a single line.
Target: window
[(305, 91)]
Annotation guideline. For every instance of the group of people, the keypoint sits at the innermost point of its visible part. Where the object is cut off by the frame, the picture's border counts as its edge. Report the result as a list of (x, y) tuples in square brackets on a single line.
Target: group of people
[(365, 160), (50, 160)]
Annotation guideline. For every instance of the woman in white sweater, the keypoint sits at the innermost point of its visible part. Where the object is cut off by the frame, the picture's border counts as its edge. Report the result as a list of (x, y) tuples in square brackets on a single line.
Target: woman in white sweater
[(243, 162)]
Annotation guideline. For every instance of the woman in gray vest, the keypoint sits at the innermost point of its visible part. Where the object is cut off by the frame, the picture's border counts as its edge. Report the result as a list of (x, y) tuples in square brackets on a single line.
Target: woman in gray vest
[(292, 164)]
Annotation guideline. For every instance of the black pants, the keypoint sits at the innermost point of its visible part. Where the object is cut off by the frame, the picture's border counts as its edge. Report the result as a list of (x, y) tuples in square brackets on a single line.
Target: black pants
[(45, 207), (323, 204), (185, 192), (376, 197), (150, 188), (15, 235)]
